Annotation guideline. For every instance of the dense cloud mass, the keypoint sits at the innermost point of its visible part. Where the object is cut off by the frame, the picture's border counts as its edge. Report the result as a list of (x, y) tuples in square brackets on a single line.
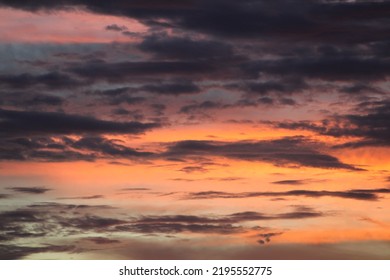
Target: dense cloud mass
[(287, 151), (43, 123), (372, 127), (40, 220)]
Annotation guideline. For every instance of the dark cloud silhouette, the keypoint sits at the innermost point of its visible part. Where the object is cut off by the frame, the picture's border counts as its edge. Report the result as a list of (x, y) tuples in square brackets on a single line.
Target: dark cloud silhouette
[(102, 240), (193, 169), (314, 21), (14, 252), (177, 88), (67, 149), (206, 105), (134, 71), (179, 227), (371, 126), (28, 99), (52, 80), (115, 27), (30, 190), (41, 123), (290, 182), (163, 46), (266, 237), (39, 220), (107, 147), (90, 222), (283, 152), (83, 197), (358, 194), (229, 224)]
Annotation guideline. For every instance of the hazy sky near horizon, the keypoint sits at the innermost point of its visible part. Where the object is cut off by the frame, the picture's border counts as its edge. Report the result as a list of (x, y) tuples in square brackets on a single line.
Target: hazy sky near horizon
[(191, 129)]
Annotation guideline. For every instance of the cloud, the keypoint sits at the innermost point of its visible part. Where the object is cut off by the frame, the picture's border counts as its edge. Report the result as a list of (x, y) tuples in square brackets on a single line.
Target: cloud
[(84, 197), (371, 126), (40, 220), (14, 252), (107, 147), (52, 81), (90, 222), (290, 182), (28, 99), (135, 189), (56, 149), (30, 190), (179, 227), (115, 27), (134, 71), (221, 179), (324, 68), (46, 123), (294, 151), (174, 89), (101, 240), (185, 48), (358, 194), (266, 237), (313, 21)]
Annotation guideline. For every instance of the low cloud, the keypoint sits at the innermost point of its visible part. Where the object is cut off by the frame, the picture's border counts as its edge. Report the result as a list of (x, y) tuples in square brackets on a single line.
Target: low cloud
[(358, 194), (30, 190)]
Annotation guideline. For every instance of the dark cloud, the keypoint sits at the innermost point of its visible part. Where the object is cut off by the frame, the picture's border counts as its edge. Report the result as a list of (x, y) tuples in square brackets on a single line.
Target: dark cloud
[(314, 21), (14, 252), (40, 220), (26, 99), (107, 147), (285, 87), (184, 87), (266, 237), (30, 190), (179, 227), (84, 197), (52, 80), (358, 194), (163, 46), (290, 182), (115, 27), (295, 151), (90, 222), (56, 149), (324, 68), (193, 169), (229, 224), (41, 123), (101, 240), (359, 89), (371, 126), (134, 71)]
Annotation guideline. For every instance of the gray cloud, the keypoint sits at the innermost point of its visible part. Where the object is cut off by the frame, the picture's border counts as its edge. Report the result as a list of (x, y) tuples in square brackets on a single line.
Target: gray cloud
[(25, 122), (30, 190), (283, 152), (358, 194)]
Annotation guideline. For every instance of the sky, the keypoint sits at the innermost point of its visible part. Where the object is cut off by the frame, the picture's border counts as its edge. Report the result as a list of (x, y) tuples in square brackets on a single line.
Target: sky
[(194, 129)]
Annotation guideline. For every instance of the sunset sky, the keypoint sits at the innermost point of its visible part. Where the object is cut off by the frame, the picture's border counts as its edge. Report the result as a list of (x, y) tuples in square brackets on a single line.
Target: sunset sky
[(194, 129)]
